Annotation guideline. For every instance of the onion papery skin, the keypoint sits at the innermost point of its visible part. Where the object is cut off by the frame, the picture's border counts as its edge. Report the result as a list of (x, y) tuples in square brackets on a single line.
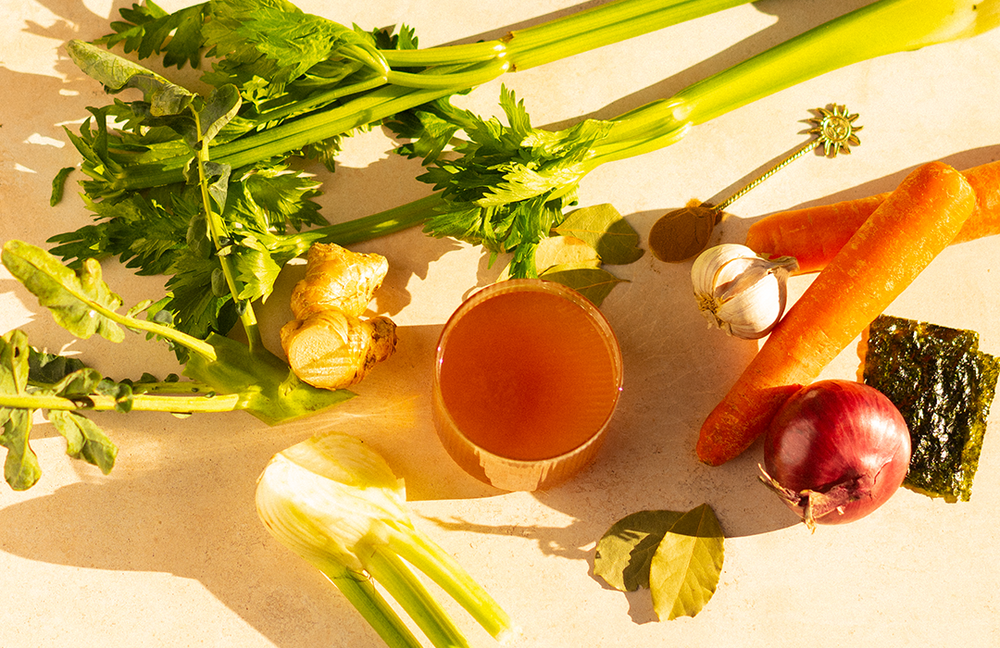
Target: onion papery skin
[(836, 451)]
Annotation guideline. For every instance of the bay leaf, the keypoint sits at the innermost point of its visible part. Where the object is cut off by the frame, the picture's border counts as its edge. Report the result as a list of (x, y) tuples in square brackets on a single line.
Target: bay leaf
[(593, 283), (603, 228), (626, 550), (565, 251), (685, 569)]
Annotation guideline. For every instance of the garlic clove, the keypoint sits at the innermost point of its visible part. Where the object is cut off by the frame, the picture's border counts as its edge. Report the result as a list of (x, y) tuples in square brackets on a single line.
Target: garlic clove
[(752, 313), (740, 292)]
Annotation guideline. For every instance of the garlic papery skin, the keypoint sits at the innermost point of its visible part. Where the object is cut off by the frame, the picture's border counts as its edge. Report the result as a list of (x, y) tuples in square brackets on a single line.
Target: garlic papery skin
[(740, 292)]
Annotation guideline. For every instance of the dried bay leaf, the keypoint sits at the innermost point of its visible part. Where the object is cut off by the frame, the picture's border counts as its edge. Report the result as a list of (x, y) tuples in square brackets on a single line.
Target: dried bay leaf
[(565, 251), (685, 569), (603, 228), (626, 550), (593, 283)]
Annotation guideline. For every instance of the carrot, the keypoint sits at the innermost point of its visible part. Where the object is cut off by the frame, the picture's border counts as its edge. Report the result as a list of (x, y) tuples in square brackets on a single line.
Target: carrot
[(814, 235), (918, 220)]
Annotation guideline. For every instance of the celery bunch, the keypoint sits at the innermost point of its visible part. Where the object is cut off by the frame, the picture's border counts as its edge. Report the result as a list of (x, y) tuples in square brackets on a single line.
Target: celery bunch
[(304, 83), (336, 503)]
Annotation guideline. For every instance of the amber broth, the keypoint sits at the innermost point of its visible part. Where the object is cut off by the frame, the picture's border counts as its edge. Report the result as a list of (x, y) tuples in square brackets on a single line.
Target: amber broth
[(527, 375)]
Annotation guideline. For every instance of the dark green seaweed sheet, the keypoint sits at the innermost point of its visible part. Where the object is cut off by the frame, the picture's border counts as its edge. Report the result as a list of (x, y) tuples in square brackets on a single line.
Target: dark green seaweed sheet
[(943, 386)]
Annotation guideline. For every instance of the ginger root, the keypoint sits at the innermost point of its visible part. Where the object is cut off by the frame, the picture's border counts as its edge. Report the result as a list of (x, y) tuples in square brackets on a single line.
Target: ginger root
[(328, 345), (337, 278)]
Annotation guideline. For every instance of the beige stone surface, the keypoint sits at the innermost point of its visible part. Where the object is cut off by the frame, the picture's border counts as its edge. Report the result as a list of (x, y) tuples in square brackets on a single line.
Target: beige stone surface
[(167, 550)]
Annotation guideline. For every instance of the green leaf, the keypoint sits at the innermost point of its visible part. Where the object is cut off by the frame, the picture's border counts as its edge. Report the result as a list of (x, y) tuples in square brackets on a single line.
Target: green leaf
[(120, 391), (50, 368), (606, 231), (593, 283), (84, 440), (76, 299), (222, 106), (20, 469), (59, 185), (148, 29), (626, 550), (687, 564), (14, 362), (77, 385), (117, 74)]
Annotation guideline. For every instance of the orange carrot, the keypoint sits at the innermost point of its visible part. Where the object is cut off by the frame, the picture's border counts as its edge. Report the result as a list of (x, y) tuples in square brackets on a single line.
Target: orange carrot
[(814, 235), (888, 251)]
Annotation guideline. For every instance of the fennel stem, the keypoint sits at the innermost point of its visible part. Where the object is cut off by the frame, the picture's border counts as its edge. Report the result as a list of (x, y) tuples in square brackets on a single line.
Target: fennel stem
[(363, 596), (428, 557), (412, 595)]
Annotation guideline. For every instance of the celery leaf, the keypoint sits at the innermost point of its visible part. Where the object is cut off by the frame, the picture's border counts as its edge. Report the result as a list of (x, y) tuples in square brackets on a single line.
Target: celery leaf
[(507, 188), (147, 29), (278, 41), (117, 73)]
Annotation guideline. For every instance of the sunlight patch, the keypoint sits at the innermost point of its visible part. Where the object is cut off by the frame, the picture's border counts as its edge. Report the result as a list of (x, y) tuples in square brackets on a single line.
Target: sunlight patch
[(38, 138)]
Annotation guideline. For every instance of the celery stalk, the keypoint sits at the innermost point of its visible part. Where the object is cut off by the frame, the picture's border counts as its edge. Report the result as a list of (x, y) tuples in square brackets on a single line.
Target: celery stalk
[(881, 28)]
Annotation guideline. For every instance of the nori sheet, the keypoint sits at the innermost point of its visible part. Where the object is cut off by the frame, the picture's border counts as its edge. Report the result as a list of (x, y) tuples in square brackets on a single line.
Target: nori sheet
[(943, 385)]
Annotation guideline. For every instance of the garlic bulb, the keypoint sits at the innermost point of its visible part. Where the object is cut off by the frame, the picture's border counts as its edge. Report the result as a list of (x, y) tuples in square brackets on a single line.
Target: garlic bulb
[(740, 292)]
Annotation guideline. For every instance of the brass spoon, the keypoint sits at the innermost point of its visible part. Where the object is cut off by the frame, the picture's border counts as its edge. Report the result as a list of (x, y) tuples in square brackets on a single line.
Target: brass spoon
[(682, 233)]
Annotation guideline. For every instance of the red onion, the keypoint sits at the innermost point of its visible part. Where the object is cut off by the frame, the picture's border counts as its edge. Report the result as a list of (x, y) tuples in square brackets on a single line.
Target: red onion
[(836, 451)]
